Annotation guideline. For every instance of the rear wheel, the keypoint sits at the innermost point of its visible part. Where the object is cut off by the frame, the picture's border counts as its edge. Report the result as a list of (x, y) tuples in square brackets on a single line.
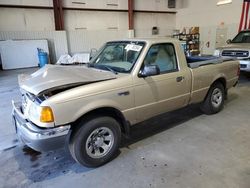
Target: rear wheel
[(215, 98), (96, 141)]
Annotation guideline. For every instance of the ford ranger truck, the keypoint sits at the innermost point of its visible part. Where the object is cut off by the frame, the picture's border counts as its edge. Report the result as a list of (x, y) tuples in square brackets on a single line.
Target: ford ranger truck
[(238, 48), (88, 108)]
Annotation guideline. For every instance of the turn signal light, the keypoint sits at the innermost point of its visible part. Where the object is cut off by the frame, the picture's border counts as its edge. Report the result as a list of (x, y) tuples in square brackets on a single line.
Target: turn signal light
[(46, 115)]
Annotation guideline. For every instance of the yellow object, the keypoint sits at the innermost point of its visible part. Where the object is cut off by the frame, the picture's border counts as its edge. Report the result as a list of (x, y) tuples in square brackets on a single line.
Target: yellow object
[(46, 115)]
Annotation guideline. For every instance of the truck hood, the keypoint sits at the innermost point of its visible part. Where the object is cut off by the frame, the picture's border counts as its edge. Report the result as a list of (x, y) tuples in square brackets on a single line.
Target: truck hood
[(52, 77), (236, 46)]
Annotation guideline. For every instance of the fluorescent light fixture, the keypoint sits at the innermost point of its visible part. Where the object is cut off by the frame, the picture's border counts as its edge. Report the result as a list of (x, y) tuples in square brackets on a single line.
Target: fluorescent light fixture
[(223, 2)]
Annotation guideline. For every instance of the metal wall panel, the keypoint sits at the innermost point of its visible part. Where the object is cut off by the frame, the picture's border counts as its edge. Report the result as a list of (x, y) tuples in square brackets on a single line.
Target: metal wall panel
[(90, 20), (57, 40), (84, 40), (64, 42), (145, 22), (160, 5), (142, 33), (27, 2), (109, 4)]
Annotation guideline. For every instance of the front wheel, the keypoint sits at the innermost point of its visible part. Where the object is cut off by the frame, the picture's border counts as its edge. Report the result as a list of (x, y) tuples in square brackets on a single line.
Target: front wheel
[(96, 141), (214, 100)]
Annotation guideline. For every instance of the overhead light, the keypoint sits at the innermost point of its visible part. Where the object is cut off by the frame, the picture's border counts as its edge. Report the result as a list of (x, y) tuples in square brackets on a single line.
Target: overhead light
[(223, 2)]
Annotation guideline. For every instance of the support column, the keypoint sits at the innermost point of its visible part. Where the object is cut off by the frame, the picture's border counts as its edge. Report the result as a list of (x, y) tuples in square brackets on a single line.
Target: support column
[(131, 19), (58, 15), (61, 14)]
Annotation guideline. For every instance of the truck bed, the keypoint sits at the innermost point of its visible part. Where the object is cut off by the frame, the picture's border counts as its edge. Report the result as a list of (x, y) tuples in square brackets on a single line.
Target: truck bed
[(197, 61)]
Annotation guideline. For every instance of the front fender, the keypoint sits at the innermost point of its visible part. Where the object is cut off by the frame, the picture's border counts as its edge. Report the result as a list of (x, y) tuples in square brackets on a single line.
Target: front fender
[(97, 104)]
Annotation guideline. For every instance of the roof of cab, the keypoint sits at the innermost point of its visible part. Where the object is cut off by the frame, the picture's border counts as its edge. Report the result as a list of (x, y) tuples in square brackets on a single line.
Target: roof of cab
[(150, 40)]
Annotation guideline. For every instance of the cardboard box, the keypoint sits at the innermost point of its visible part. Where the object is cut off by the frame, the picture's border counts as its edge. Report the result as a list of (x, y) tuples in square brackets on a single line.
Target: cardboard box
[(195, 30)]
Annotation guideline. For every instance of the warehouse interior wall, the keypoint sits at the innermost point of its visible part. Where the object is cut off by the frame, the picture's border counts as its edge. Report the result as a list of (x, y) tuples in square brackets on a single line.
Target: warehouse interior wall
[(214, 21), (90, 29), (83, 29)]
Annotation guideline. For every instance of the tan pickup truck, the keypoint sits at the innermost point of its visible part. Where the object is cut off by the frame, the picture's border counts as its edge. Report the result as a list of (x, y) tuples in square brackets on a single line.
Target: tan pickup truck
[(128, 81)]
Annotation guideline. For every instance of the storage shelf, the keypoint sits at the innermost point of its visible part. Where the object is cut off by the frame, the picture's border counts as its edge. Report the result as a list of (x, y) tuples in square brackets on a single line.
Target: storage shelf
[(191, 43)]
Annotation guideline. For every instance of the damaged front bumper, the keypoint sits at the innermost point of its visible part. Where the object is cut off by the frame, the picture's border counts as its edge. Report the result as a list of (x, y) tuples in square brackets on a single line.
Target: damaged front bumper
[(39, 139)]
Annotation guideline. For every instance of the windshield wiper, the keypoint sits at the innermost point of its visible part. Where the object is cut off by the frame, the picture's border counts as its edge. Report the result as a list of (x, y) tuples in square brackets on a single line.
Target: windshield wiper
[(105, 66), (111, 70)]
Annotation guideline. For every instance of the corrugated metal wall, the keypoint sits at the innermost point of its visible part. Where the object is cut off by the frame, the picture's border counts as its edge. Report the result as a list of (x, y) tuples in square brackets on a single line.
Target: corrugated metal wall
[(84, 30), (64, 42), (57, 40), (83, 41)]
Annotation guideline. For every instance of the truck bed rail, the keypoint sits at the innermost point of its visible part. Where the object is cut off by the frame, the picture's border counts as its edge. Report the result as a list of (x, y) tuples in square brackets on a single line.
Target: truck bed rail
[(213, 60)]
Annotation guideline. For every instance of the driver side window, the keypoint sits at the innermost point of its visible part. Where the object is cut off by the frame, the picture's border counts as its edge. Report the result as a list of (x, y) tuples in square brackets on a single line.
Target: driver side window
[(112, 54), (162, 55)]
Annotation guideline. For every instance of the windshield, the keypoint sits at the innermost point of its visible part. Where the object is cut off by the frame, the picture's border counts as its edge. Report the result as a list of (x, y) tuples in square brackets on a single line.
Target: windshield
[(242, 37), (118, 57)]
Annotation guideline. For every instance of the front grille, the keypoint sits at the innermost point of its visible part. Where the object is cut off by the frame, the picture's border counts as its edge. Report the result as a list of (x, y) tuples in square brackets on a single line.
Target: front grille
[(235, 53), (243, 66)]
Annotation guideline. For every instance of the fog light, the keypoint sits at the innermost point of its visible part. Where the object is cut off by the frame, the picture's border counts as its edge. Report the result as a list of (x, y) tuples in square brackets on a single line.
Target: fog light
[(46, 115)]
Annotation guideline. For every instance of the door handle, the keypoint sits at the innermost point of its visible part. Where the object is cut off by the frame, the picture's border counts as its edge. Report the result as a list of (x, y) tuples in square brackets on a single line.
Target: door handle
[(124, 93), (179, 79)]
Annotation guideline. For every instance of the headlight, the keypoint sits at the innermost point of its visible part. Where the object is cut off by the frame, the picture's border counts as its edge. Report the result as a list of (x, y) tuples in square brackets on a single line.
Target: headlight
[(42, 113), (34, 111), (217, 53)]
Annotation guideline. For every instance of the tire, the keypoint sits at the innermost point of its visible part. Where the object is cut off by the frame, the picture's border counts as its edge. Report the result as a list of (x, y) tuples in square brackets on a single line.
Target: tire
[(214, 101), (96, 141)]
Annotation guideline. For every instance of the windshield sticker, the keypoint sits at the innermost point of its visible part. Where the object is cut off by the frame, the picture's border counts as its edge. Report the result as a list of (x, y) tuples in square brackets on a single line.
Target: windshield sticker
[(133, 47)]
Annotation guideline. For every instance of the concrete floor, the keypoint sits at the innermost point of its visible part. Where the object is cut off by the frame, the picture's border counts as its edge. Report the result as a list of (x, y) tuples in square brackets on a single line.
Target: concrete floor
[(179, 149)]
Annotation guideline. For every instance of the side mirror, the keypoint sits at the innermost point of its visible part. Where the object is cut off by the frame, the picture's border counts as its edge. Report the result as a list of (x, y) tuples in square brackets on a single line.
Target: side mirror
[(228, 41), (149, 70)]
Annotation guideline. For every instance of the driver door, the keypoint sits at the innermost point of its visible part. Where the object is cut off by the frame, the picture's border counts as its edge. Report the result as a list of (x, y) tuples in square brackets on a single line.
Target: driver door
[(164, 92)]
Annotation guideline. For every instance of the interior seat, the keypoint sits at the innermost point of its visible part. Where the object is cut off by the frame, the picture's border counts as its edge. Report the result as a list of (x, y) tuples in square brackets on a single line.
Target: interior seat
[(164, 60)]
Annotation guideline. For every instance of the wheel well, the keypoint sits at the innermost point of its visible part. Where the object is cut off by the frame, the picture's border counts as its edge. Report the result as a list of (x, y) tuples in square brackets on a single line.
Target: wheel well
[(219, 80), (222, 81), (111, 112)]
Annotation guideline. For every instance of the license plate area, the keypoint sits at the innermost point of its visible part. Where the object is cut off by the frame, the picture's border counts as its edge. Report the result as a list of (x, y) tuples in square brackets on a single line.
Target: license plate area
[(243, 66)]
